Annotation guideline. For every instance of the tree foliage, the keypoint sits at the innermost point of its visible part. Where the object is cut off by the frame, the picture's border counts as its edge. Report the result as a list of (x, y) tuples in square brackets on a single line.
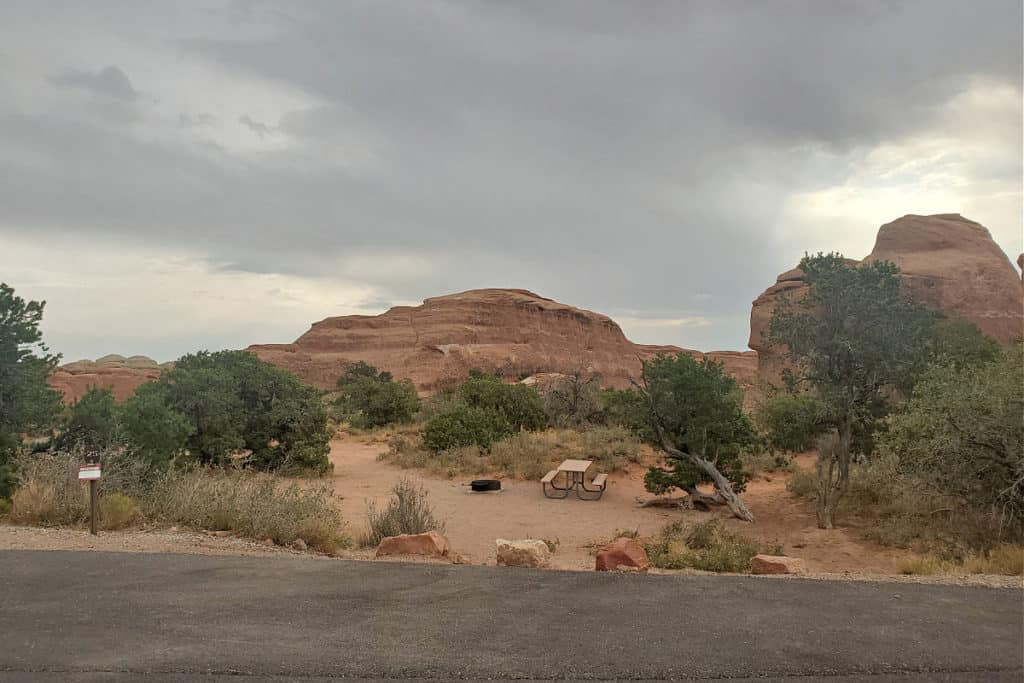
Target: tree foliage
[(235, 402), (792, 422), (368, 398), (92, 422), (465, 425), (26, 402), (152, 431), (696, 417), (520, 405), (962, 432), (853, 340), (573, 400)]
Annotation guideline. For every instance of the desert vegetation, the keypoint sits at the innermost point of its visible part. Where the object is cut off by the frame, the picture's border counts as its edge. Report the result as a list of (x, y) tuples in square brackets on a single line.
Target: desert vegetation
[(707, 546)]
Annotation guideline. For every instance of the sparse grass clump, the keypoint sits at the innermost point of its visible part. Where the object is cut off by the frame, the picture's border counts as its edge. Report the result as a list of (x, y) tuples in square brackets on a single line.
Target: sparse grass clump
[(706, 546), (803, 484), (407, 512), (1005, 560), (117, 511)]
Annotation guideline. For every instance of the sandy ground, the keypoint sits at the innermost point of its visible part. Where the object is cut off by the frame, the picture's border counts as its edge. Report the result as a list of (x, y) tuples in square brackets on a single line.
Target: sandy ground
[(520, 510)]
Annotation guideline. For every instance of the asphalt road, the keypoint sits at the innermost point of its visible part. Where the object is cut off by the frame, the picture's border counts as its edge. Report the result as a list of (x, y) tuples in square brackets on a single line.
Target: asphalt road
[(84, 616)]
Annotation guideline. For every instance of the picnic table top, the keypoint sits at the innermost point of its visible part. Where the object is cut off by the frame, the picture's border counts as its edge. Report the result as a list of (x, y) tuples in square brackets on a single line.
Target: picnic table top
[(575, 465)]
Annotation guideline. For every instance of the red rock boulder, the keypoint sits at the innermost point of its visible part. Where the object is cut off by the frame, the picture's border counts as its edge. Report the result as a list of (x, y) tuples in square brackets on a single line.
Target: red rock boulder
[(430, 544), (622, 554), (776, 564)]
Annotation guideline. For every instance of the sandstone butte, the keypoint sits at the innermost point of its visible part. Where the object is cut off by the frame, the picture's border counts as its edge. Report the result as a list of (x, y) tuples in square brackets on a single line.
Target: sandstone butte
[(119, 374), (512, 332), (947, 262)]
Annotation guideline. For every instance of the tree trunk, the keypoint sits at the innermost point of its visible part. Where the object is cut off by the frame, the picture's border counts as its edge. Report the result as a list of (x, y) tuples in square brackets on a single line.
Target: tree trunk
[(722, 485), (833, 472)]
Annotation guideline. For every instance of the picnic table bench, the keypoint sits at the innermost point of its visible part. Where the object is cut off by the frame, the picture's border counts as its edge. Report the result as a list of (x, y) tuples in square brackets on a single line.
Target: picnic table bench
[(573, 478)]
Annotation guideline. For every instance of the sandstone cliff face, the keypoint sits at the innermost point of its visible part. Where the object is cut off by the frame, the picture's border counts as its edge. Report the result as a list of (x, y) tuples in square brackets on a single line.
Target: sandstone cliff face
[(119, 374), (947, 262), (512, 332)]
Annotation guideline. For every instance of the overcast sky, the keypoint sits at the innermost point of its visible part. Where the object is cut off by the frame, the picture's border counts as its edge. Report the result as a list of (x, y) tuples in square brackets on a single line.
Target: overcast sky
[(185, 175)]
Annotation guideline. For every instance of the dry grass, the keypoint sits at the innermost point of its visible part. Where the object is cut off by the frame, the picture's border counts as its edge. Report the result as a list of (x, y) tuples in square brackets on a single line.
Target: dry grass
[(256, 506), (117, 511), (526, 455), (1004, 560), (706, 546), (803, 484), (767, 463)]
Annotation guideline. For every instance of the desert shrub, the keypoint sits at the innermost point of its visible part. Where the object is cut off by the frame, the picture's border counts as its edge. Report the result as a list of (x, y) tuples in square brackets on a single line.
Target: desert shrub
[(791, 422), (759, 461), (962, 435), (370, 398), (153, 431), (407, 512), (573, 400), (706, 546), (50, 493), (5, 507), (236, 402), (465, 425), (527, 454), (92, 422), (518, 405), (610, 447), (803, 484), (627, 409), (117, 511)]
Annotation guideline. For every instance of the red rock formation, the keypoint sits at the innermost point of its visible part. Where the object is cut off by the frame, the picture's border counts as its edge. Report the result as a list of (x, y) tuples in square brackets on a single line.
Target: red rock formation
[(622, 553), (512, 332), (117, 373), (947, 262)]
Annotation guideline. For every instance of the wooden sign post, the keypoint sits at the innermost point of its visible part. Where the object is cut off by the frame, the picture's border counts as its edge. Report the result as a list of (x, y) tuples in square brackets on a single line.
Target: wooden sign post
[(91, 473)]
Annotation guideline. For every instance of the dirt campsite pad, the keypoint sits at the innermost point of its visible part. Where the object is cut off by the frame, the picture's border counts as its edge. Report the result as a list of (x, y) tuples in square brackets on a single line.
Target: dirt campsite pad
[(520, 510)]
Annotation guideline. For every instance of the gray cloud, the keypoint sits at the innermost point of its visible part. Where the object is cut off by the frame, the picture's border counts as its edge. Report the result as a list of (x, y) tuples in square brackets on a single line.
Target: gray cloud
[(640, 161), (109, 81)]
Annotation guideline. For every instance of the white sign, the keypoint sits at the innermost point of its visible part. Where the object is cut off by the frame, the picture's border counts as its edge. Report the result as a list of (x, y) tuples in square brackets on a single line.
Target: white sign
[(89, 472)]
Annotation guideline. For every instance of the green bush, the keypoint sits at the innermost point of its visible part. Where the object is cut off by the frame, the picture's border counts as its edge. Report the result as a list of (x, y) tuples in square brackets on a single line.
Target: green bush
[(368, 398), (407, 512), (792, 422), (154, 432), (517, 404), (236, 402), (706, 546), (92, 422), (5, 507), (464, 425), (117, 511)]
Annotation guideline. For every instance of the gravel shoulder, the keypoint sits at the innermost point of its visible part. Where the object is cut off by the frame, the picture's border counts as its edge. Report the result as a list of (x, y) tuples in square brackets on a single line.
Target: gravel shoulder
[(188, 542)]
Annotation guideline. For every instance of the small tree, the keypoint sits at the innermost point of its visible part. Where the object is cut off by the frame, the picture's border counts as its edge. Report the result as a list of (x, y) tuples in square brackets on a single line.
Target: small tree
[(574, 399), (518, 404), (852, 340), (696, 417), (27, 403), (92, 422), (962, 432), (369, 398), (153, 431)]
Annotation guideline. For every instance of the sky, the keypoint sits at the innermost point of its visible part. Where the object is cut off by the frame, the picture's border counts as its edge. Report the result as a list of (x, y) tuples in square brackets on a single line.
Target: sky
[(185, 175)]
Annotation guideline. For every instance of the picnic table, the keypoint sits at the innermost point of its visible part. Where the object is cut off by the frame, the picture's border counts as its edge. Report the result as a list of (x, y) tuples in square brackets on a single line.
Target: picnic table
[(573, 478)]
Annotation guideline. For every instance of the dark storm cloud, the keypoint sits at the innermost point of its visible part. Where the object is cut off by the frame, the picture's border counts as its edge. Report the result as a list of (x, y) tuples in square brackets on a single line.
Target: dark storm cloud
[(626, 157), (109, 81)]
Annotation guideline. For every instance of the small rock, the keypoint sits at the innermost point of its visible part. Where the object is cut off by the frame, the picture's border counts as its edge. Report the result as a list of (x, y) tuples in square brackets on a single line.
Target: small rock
[(173, 529), (622, 554), (267, 541), (430, 544), (525, 553), (776, 564), (298, 544), (220, 534)]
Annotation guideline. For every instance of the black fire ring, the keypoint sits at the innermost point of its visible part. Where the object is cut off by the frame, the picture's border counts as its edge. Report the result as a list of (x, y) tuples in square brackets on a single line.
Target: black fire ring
[(485, 485)]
